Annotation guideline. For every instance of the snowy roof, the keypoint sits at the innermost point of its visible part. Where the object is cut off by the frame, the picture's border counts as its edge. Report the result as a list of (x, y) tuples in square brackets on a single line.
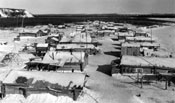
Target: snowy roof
[(139, 31), (77, 37), (140, 38), (126, 34), (130, 45), (106, 31), (149, 44), (60, 58), (52, 77), (75, 46), (157, 53), (138, 61), (42, 45), (144, 44)]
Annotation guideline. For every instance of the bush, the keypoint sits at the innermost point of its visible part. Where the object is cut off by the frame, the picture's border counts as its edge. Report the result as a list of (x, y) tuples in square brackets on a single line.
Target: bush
[(21, 80)]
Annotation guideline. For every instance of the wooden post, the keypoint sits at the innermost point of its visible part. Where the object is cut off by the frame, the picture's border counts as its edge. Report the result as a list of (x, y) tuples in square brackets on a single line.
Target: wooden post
[(121, 70), (166, 83), (48, 66), (169, 83), (137, 76), (142, 82), (154, 70)]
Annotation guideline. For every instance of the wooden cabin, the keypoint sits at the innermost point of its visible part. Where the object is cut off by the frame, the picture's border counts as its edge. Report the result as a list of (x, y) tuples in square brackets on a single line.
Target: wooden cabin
[(35, 33), (58, 84), (144, 34), (149, 68), (60, 61), (153, 46), (130, 64)]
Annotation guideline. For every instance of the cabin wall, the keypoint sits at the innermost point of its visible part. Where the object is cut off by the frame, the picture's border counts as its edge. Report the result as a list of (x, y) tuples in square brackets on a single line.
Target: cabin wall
[(70, 67), (134, 70), (11, 89), (134, 51), (41, 51), (121, 38)]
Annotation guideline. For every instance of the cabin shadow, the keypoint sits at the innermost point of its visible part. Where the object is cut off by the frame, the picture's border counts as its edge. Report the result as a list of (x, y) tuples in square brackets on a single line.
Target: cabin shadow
[(116, 44), (114, 39), (113, 53), (117, 47), (106, 69)]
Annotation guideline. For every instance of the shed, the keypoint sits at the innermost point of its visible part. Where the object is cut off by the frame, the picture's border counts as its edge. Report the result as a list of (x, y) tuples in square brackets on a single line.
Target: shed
[(68, 61), (130, 49)]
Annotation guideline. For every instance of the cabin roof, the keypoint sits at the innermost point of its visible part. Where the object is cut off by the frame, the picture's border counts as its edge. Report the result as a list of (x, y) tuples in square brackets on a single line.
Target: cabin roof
[(74, 46), (126, 34), (142, 38), (130, 45), (42, 45), (52, 77), (140, 44), (138, 61), (60, 58)]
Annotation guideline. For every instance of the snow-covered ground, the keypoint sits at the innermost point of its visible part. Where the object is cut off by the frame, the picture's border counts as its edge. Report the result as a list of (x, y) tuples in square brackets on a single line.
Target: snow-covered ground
[(166, 37), (101, 87)]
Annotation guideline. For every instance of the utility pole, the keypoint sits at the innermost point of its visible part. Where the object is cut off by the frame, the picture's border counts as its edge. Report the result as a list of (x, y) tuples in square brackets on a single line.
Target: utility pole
[(151, 35), (22, 23)]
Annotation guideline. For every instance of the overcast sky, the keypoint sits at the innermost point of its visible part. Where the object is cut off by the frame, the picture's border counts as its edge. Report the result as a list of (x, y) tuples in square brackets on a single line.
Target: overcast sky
[(91, 6)]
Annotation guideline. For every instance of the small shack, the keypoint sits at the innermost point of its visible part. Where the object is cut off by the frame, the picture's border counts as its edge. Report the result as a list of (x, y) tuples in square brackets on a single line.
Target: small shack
[(142, 33), (130, 49), (41, 49)]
